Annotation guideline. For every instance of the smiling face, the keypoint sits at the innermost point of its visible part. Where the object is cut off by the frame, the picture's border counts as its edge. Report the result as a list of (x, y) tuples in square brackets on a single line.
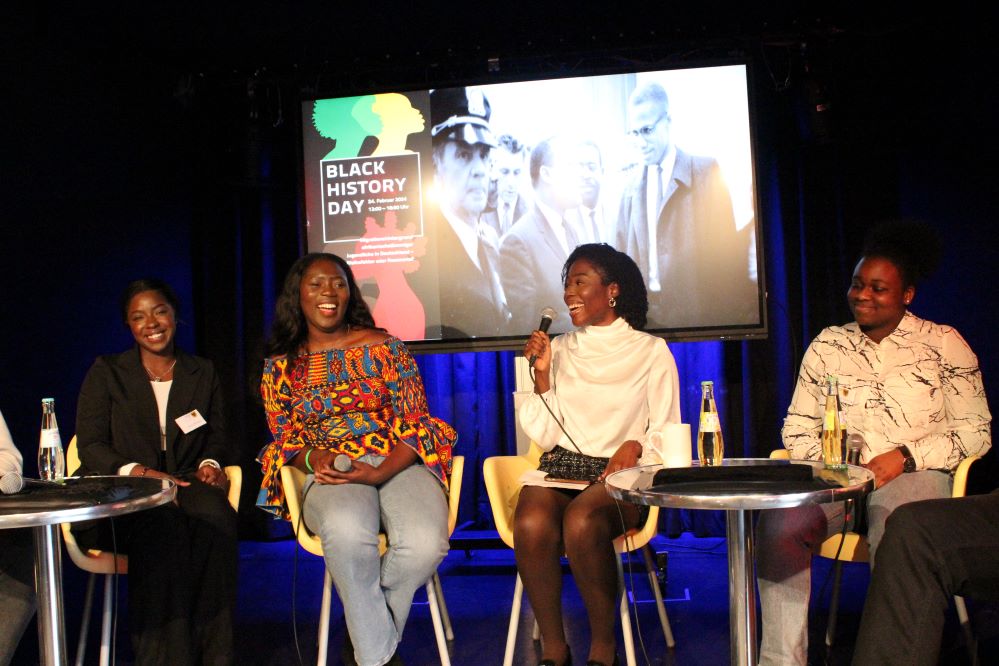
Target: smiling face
[(587, 296), (153, 322), (324, 294), (878, 297)]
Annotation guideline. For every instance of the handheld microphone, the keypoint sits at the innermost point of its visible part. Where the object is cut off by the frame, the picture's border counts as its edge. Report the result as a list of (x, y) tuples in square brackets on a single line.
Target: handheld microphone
[(547, 315), (342, 463), (11, 483), (854, 443)]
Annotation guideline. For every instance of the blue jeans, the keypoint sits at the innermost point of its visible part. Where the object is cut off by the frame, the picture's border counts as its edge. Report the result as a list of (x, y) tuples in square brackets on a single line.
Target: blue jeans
[(377, 593), (786, 539)]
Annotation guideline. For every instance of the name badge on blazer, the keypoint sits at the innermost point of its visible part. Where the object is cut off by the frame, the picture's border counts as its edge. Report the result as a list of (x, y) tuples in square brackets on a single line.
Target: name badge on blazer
[(190, 421)]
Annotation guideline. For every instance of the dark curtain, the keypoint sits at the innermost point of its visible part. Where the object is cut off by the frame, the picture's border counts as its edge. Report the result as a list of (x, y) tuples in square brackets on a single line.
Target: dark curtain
[(474, 392), (825, 172)]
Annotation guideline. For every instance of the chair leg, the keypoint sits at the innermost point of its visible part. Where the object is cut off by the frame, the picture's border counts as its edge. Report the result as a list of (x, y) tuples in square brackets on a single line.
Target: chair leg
[(324, 619), (629, 639), (969, 636), (660, 606), (435, 614), (834, 603), (88, 604), (448, 630), (511, 633), (109, 581)]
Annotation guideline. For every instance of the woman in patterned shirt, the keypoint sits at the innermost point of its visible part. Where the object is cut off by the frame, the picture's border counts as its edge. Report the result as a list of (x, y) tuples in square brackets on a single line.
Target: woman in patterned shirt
[(911, 388), (335, 384)]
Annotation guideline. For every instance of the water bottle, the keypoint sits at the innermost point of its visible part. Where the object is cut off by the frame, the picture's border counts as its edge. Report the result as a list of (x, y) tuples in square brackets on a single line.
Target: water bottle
[(51, 460), (710, 444), (832, 432)]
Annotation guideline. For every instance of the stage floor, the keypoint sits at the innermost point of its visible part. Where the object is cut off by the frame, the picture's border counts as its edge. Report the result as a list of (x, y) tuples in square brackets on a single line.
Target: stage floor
[(478, 585)]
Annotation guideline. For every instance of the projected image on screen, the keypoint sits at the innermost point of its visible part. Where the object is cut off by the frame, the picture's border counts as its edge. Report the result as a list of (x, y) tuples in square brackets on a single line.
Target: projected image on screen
[(457, 207)]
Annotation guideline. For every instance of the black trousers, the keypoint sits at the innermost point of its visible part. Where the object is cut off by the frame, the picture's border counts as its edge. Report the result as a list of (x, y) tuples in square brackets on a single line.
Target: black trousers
[(182, 561), (931, 551), (17, 588)]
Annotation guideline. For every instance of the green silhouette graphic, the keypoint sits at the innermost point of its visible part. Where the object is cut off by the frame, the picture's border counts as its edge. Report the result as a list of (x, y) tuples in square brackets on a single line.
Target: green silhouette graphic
[(347, 121)]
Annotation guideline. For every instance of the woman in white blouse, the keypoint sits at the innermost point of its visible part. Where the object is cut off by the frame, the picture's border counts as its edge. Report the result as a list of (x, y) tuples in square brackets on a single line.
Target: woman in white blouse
[(911, 388), (608, 385)]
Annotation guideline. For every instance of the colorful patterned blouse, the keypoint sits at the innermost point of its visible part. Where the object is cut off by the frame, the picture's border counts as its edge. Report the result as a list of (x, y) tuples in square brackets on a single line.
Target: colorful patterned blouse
[(355, 401)]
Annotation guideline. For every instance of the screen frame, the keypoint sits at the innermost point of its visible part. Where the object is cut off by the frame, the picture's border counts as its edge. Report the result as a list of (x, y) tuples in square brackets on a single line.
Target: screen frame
[(737, 332)]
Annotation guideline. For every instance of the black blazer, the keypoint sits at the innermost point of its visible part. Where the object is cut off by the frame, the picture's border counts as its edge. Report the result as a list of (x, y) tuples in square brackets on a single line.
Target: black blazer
[(703, 258), (466, 297), (117, 420)]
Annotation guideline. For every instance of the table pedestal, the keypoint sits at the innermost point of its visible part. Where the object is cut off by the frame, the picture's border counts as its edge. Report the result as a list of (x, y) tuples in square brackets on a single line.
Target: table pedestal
[(43, 506), (48, 590), (741, 587), (740, 492)]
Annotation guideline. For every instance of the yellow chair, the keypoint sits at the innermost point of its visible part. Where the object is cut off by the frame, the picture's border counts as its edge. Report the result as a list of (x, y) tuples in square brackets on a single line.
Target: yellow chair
[(100, 562), (856, 549), (293, 481), (502, 476)]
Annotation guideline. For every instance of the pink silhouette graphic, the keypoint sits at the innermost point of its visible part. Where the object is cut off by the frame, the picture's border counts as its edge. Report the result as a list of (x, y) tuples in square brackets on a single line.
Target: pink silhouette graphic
[(397, 308)]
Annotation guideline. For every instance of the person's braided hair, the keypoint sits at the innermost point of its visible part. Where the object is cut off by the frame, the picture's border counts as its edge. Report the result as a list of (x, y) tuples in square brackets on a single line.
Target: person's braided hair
[(614, 266)]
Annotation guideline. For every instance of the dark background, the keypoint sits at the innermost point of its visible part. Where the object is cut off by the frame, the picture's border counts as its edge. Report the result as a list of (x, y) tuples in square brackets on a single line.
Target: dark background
[(144, 141)]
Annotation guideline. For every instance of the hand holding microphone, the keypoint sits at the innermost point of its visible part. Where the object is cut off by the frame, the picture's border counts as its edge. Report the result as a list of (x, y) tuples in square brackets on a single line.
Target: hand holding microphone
[(331, 469), (342, 463), (547, 315)]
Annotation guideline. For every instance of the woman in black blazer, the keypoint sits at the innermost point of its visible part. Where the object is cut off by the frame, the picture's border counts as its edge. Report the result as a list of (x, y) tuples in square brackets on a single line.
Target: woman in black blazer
[(155, 411)]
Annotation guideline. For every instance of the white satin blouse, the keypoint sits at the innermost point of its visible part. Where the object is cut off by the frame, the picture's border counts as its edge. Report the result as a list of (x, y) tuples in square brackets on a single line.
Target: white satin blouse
[(610, 384)]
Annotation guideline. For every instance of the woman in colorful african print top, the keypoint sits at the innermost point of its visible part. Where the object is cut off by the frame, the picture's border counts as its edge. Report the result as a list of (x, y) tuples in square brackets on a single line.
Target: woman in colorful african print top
[(334, 384)]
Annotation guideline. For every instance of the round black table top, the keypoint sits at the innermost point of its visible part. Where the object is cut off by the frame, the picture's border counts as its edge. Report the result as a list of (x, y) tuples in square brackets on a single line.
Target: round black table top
[(741, 484), (82, 498)]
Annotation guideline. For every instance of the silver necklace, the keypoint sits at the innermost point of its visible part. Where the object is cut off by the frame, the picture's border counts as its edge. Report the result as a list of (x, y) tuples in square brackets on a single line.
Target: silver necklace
[(159, 378)]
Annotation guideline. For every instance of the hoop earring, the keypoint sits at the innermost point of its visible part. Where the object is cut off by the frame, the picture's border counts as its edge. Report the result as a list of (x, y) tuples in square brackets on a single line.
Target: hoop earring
[(612, 302)]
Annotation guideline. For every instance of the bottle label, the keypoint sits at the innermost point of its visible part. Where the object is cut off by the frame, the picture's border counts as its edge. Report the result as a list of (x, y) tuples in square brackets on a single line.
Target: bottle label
[(50, 439), (830, 420), (710, 422)]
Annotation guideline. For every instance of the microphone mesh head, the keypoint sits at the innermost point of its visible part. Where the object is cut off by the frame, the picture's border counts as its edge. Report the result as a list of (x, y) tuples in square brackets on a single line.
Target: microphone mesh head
[(548, 313), (11, 483), (342, 463)]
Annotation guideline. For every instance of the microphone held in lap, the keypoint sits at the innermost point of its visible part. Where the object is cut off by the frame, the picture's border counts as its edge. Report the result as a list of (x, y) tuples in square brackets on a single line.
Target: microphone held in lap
[(342, 463)]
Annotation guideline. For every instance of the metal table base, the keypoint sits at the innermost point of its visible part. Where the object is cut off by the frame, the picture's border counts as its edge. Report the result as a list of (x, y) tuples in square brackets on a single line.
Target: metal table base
[(636, 485)]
